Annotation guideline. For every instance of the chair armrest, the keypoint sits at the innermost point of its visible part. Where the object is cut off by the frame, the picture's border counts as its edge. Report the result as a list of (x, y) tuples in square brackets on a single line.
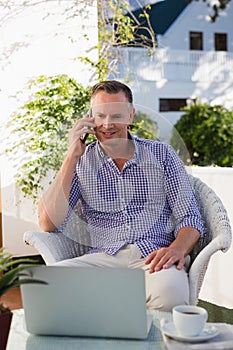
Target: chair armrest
[(53, 246), (199, 266)]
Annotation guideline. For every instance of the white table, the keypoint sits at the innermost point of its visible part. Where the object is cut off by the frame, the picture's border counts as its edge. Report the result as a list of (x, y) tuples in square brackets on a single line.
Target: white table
[(20, 339)]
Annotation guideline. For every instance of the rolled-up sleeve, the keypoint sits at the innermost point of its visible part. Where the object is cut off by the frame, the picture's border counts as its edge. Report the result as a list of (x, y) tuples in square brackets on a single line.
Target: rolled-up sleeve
[(180, 195), (73, 199)]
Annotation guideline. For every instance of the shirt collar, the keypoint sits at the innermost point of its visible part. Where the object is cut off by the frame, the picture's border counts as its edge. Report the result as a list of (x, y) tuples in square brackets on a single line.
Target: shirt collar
[(136, 149), (100, 150)]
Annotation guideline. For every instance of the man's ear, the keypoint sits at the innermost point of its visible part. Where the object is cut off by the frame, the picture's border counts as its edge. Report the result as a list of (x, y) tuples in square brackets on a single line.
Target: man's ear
[(132, 113)]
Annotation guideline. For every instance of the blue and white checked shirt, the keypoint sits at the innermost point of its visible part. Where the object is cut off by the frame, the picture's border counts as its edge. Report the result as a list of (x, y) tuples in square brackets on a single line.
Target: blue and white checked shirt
[(144, 204)]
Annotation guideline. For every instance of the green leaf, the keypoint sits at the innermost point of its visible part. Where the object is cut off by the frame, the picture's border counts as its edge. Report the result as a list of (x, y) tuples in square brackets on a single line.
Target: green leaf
[(18, 283), (12, 276)]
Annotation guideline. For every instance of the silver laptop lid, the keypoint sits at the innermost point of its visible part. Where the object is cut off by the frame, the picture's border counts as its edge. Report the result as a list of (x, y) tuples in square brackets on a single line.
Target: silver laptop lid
[(99, 302)]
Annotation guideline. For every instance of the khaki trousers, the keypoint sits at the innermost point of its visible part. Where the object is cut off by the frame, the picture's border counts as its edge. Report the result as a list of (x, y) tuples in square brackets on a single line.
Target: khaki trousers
[(164, 289)]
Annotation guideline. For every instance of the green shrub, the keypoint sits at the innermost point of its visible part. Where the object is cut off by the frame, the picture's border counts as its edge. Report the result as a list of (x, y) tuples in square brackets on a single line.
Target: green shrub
[(207, 132), (38, 132)]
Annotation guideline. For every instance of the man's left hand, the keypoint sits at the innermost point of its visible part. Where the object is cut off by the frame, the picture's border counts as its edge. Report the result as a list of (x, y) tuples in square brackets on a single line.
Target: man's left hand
[(164, 258)]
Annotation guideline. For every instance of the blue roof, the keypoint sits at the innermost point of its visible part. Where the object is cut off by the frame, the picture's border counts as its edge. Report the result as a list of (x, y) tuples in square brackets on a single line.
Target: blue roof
[(162, 14)]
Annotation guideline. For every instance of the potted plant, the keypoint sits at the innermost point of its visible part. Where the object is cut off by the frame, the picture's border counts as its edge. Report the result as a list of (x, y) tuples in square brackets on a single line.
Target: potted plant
[(11, 276)]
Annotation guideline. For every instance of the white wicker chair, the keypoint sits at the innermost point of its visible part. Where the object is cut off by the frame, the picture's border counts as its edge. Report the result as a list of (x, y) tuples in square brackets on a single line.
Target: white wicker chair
[(54, 247), (217, 237)]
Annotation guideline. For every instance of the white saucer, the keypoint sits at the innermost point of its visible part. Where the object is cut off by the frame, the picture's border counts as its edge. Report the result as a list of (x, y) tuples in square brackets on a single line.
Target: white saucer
[(209, 332)]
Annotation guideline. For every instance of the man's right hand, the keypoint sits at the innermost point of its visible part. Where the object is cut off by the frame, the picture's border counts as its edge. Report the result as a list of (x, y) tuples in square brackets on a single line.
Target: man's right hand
[(81, 126), (53, 205)]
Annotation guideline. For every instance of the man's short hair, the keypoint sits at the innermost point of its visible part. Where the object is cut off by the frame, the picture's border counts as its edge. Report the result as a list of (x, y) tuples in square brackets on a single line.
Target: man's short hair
[(112, 87)]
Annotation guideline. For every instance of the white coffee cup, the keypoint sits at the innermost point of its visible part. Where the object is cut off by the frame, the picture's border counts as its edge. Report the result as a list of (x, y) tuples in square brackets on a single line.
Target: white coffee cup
[(189, 320)]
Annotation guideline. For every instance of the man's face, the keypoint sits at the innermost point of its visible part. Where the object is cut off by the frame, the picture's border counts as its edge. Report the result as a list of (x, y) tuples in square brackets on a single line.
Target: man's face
[(112, 113)]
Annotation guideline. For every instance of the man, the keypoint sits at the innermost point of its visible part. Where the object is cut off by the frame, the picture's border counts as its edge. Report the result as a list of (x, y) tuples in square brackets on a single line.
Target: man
[(135, 195)]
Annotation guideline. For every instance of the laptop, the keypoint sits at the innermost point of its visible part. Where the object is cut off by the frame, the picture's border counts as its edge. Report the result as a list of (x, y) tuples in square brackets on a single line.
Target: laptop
[(90, 302)]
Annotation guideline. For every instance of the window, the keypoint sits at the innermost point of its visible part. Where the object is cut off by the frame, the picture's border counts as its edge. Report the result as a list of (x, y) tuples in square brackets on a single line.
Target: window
[(195, 41), (173, 104), (220, 41)]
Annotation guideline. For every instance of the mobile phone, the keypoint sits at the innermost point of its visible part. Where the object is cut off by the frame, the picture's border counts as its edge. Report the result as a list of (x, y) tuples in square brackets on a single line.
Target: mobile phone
[(86, 134)]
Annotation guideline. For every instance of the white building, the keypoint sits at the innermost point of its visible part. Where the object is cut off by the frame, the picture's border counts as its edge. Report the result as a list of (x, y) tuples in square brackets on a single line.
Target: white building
[(194, 59)]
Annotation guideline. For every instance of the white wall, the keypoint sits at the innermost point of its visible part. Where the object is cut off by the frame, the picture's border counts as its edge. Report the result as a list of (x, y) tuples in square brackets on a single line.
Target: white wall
[(195, 18), (218, 283), (41, 40), (206, 76), (38, 39), (147, 93)]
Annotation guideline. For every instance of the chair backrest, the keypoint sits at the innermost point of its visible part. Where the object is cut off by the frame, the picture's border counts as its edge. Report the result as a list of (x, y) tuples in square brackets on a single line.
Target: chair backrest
[(214, 215)]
